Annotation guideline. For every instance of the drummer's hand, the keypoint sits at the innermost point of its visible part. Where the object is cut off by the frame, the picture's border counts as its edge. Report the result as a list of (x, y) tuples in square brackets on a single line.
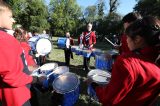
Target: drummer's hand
[(32, 68), (91, 46), (117, 47), (37, 55)]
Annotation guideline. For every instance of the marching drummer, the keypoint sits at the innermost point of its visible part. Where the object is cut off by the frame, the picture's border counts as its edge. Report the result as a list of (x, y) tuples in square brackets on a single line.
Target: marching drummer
[(14, 81), (20, 35), (89, 40), (127, 20), (67, 50), (135, 78)]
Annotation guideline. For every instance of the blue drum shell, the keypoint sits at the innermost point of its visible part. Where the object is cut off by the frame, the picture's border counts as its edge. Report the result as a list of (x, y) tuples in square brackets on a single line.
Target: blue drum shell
[(86, 54), (69, 99), (102, 63), (61, 43)]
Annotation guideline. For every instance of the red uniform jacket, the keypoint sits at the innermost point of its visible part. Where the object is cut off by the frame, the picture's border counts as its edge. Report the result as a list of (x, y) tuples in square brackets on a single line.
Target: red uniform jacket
[(13, 79), (71, 41), (135, 80), (30, 61), (92, 39), (124, 47)]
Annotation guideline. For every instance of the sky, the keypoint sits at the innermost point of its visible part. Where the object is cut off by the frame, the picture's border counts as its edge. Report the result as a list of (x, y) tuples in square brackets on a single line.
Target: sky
[(125, 6)]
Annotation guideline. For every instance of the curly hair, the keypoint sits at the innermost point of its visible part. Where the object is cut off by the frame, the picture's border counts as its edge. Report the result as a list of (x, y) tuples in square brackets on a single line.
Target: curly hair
[(19, 34)]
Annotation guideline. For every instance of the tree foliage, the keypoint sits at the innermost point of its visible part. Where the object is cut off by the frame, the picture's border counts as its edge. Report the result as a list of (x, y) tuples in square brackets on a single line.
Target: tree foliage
[(64, 15), (31, 14), (113, 4), (111, 24), (101, 5), (90, 13), (148, 7)]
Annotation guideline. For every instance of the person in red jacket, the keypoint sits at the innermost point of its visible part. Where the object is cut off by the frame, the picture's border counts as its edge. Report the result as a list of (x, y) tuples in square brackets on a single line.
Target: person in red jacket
[(135, 78), (20, 35), (127, 20), (67, 50), (88, 41), (14, 78)]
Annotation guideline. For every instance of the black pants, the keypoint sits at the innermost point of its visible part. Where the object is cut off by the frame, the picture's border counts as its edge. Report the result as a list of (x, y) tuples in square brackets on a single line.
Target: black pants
[(68, 55), (86, 62)]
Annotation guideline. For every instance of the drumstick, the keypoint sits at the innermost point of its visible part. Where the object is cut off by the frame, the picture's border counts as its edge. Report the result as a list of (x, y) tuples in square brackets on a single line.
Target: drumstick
[(51, 72), (110, 41)]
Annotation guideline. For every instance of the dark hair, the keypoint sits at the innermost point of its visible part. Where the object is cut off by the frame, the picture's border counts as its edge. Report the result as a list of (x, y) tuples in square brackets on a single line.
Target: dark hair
[(148, 28), (4, 5), (130, 17), (19, 34)]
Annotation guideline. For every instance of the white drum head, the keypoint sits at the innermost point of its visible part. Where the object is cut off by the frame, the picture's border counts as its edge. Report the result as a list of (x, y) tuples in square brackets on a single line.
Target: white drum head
[(43, 46), (99, 76), (113, 52), (74, 47), (44, 69), (66, 83), (61, 70), (49, 66)]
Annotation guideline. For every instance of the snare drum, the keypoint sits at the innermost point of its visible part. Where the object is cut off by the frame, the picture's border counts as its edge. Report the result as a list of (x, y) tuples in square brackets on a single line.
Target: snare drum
[(102, 62), (79, 51), (67, 85), (45, 69), (100, 77), (32, 42), (54, 74), (73, 48), (113, 52), (43, 46), (58, 71), (86, 53), (96, 52), (61, 43)]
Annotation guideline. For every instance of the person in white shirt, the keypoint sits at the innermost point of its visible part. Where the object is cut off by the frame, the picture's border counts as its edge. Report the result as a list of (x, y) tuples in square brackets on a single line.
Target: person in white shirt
[(67, 50)]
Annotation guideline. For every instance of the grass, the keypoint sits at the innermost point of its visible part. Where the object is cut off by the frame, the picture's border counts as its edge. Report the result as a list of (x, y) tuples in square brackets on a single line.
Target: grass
[(57, 55)]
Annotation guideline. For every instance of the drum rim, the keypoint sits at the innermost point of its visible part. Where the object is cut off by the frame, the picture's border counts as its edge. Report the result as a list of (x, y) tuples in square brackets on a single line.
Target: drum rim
[(59, 67), (34, 73), (46, 39), (49, 63), (100, 83), (68, 91)]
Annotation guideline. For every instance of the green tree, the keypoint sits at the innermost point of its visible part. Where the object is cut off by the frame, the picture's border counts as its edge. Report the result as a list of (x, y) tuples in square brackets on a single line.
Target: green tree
[(111, 24), (148, 7), (101, 5), (64, 15), (31, 14), (90, 13), (113, 4)]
